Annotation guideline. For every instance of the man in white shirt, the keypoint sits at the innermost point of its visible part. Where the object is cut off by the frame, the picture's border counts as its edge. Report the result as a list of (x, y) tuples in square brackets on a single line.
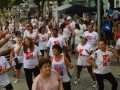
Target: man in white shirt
[(92, 36), (55, 39), (101, 63), (82, 25)]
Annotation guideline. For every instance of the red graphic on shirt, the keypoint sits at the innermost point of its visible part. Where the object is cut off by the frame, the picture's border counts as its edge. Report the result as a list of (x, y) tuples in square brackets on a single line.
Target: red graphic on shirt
[(44, 38), (59, 68), (23, 29), (106, 59), (56, 42), (0, 68), (80, 52), (89, 37), (29, 55)]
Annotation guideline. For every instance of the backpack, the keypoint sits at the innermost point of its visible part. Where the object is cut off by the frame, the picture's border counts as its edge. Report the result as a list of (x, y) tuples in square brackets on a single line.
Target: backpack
[(107, 27)]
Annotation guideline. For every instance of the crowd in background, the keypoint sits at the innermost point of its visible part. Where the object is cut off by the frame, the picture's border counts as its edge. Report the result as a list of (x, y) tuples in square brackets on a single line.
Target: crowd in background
[(43, 48)]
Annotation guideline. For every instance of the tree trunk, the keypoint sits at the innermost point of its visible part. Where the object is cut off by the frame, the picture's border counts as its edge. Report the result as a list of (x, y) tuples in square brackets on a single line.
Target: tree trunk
[(59, 2), (43, 2), (39, 11)]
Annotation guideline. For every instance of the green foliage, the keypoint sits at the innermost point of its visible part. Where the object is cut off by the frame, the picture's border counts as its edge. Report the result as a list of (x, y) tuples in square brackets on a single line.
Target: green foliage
[(17, 2), (4, 3), (37, 2)]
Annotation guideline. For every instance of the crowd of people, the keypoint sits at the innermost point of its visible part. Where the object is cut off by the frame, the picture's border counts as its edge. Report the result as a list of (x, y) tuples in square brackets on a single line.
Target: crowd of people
[(44, 51)]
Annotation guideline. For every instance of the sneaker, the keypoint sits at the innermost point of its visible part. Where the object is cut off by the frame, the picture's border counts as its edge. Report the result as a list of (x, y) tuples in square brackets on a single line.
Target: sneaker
[(94, 84), (16, 81), (76, 82)]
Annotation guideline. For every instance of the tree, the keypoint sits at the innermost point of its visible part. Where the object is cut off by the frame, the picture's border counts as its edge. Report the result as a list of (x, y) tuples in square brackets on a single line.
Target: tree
[(4, 4), (37, 2), (17, 2), (111, 3)]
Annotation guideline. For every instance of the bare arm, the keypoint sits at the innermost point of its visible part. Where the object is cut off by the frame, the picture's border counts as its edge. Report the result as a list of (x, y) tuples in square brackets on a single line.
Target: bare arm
[(91, 62)]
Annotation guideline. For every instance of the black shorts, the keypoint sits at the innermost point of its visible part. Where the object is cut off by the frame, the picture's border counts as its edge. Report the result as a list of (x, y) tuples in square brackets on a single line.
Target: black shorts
[(18, 66), (9, 87)]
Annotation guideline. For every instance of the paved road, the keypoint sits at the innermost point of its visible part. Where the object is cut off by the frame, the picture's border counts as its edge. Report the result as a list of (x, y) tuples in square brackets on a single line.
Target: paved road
[(85, 80)]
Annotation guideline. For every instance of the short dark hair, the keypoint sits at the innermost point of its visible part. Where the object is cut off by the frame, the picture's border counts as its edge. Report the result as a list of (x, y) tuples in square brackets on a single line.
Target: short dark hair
[(58, 47), (44, 61), (55, 29), (77, 26), (41, 28), (102, 40)]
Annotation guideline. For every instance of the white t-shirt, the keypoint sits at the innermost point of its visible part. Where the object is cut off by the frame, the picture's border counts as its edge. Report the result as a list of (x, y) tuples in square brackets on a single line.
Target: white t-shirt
[(83, 27), (21, 29), (41, 23), (78, 33), (66, 32), (53, 41), (115, 14), (31, 58), (43, 39), (31, 35), (34, 21), (4, 80), (20, 55), (102, 59), (83, 54), (92, 37), (118, 42)]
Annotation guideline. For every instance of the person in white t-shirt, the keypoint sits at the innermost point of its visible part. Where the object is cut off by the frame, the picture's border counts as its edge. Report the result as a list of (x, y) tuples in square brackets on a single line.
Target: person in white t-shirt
[(18, 59), (101, 65), (42, 38), (55, 39), (76, 34), (31, 57), (82, 25), (4, 80), (34, 20), (41, 22), (84, 50), (92, 37), (31, 33)]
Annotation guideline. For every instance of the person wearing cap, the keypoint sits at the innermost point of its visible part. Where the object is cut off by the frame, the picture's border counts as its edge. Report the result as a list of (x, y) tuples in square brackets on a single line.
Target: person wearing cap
[(84, 50), (94, 26), (71, 27)]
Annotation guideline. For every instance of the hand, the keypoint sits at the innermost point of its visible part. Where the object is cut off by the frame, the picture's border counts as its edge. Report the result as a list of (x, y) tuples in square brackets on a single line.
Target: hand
[(96, 67), (3, 71), (71, 65)]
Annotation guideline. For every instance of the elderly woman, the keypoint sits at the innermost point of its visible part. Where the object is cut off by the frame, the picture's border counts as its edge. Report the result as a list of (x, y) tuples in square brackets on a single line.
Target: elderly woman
[(48, 79)]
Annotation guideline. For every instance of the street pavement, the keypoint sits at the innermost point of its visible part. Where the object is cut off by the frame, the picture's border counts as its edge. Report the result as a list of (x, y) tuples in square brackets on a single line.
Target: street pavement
[(85, 79)]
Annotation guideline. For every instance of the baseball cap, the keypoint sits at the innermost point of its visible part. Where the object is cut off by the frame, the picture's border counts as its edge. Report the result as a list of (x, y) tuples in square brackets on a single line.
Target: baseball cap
[(84, 37), (69, 17)]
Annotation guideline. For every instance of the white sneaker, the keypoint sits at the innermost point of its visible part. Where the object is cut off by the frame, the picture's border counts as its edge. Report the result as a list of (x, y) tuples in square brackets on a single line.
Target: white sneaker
[(94, 84), (16, 81), (76, 82)]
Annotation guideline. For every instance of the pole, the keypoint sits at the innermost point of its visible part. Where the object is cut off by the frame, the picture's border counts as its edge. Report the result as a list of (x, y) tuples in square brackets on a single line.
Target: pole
[(99, 18)]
